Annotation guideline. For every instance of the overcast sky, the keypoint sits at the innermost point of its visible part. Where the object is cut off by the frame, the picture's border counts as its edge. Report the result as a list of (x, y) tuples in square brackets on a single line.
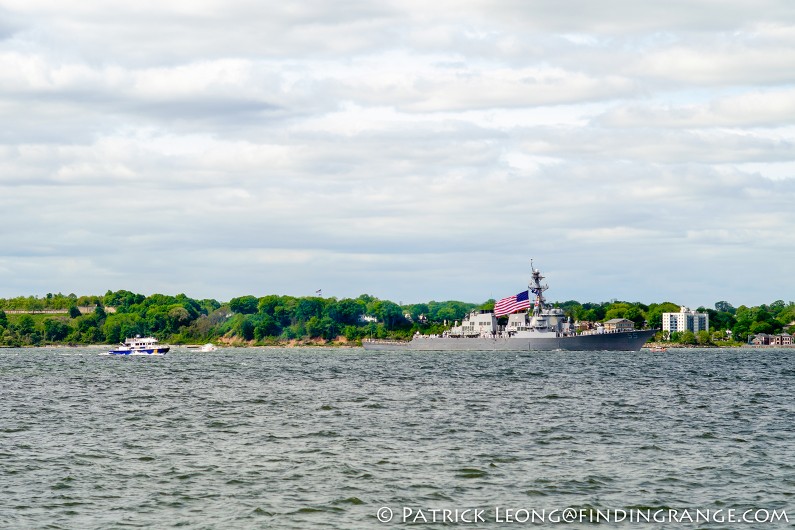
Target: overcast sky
[(406, 149)]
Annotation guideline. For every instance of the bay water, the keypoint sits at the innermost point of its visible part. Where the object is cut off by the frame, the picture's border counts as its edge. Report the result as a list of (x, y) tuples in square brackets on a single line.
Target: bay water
[(344, 438)]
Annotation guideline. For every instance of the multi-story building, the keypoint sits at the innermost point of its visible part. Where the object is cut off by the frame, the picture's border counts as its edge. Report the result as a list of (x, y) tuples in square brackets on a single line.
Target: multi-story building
[(685, 320), (763, 339)]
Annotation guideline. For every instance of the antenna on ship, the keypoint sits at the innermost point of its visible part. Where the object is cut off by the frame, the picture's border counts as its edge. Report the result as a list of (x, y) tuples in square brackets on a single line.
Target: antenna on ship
[(536, 288)]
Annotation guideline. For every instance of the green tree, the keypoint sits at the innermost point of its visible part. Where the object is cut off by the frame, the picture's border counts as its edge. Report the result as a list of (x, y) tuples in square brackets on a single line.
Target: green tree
[(34, 304), (329, 329), (308, 308), (26, 325), (777, 307), (74, 312), (56, 329), (742, 326), (157, 319), (351, 333), (208, 305), (703, 337), (592, 312), (687, 337), (313, 327), (717, 336), (786, 317), (201, 328), (761, 327), (122, 300), (389, 313), (451, 310), (120, 326), (246, 305), (346, 311), (720, 319), (178, 317), (266, 327), (636, 315), (288, 334), (88, 328), (572, 308), (267, 304), (193, 307), (655, 312), (245, 329), (617, 310), (422, 309)]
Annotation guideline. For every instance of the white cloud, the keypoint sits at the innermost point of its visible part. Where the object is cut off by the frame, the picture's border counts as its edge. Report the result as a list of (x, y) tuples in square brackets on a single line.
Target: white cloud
[(770, 108)]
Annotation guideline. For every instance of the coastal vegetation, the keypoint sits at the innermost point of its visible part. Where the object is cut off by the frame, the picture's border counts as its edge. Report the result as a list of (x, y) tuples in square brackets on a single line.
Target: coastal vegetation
[(276, 320)]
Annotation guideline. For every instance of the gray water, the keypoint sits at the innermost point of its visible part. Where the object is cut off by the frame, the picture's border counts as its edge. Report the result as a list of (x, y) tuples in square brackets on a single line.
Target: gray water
[(303, 438)]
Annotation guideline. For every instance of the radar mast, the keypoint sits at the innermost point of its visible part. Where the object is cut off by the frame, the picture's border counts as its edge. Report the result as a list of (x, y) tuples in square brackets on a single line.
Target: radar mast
[(536, 288)]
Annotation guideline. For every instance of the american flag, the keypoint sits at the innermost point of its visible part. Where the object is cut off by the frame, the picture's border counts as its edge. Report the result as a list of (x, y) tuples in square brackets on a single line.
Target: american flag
[(512, 303)]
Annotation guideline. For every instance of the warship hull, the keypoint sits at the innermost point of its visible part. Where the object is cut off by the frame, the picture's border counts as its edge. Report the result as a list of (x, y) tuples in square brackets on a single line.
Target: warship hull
[(617, 341)]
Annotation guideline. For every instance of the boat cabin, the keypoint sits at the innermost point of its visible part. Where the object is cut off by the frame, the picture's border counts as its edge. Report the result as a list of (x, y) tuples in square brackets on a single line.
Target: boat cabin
[(480, 323)]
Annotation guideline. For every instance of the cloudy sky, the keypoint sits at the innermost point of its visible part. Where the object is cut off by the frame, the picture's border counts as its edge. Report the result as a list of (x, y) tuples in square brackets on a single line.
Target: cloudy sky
[(407, 149)]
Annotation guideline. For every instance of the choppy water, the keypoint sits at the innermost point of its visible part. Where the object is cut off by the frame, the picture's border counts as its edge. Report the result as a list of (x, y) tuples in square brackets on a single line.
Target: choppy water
[(270, 438)]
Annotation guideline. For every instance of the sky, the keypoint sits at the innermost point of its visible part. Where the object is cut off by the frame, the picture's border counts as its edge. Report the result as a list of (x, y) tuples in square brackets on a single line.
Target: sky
[(410, 150)]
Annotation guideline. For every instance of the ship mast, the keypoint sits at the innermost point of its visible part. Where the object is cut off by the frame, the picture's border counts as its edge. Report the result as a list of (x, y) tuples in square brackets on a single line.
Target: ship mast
[(536, 288)]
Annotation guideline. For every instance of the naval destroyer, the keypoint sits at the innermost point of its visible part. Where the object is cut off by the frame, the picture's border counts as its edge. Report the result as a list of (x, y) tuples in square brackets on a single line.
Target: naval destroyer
[(541, 328)]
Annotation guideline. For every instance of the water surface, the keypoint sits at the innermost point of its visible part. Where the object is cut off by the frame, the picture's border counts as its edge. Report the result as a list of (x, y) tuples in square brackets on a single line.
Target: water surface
[(298, 438)]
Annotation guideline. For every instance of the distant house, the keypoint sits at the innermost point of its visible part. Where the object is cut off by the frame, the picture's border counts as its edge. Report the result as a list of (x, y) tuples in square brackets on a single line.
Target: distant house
[(761, 339), (619, 324), (367, 318)]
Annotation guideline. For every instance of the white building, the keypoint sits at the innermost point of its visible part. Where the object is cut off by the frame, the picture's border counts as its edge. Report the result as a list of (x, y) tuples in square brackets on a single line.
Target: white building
[(619, 324), (685, 320)]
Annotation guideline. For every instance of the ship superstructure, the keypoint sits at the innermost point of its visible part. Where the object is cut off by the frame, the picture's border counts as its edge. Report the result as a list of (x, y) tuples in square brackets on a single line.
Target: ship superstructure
[(540, 327)]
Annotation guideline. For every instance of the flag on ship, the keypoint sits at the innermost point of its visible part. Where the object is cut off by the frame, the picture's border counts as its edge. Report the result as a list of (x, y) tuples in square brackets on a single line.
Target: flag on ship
[(512, 303)]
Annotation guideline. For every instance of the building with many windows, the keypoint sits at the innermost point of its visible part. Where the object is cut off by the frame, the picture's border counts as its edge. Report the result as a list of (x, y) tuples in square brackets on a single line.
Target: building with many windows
[(763, 339), (685, 320)]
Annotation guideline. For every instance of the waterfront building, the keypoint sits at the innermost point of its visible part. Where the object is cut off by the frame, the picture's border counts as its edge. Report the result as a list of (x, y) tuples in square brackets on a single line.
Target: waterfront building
[(763, 339), (619, 324), (685, 320)]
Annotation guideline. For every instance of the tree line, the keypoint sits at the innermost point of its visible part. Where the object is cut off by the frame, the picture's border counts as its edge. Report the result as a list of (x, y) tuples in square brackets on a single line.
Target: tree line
[(275, 319)]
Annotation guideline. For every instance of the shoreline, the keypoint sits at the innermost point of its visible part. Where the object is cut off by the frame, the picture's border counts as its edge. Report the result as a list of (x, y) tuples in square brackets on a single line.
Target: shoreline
[(650, 345), (335, 346)]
